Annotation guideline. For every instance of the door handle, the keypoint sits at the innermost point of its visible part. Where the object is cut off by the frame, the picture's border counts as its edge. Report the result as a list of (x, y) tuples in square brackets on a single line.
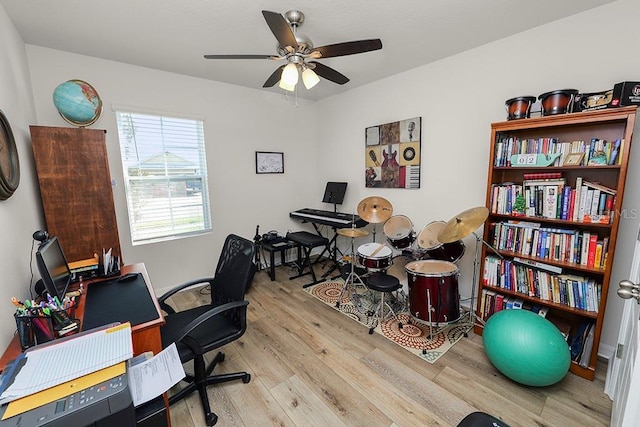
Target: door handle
[(627, 289)]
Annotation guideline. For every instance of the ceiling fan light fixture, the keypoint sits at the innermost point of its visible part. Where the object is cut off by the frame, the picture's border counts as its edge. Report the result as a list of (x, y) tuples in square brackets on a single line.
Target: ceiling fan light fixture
[(290, 75), (309, 78), (285, 86)]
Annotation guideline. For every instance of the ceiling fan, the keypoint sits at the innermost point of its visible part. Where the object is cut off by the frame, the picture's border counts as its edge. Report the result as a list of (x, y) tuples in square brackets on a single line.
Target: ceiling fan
[(299, 54)]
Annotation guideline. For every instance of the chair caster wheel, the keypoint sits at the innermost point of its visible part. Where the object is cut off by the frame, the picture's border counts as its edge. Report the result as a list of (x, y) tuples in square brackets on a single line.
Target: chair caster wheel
[(371, 331), (466, 335), (211, 419), (246, 378), (221, 358)]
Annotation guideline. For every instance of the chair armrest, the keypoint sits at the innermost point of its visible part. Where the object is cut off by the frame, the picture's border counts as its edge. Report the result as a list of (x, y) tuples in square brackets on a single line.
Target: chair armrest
[(206, 316), (162, 300)]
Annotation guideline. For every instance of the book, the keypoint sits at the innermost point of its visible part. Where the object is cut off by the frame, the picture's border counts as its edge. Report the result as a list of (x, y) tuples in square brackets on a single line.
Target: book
[(617, 145), (539, 265), (598, 186)]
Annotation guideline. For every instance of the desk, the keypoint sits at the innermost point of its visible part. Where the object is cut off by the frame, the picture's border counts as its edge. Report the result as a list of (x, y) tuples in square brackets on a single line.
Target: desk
[(145, 336)]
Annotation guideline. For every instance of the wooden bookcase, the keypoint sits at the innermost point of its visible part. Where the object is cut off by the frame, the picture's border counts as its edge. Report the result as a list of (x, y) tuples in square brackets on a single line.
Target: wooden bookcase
[(561, 271), (75, 187)]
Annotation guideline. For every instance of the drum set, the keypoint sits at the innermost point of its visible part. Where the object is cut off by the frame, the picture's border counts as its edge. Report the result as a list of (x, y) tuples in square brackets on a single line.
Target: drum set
[(424, 263)]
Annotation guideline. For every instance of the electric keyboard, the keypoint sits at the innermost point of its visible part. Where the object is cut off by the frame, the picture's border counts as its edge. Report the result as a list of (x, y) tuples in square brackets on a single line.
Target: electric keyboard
[(330, 218)]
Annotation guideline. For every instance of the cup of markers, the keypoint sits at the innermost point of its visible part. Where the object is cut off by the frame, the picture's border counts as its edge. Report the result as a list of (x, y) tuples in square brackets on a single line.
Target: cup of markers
[(44, 321), (33, 323)]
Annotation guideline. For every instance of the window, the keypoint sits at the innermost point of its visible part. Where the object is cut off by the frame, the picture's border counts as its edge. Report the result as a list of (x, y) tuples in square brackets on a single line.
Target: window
[(165, 172)]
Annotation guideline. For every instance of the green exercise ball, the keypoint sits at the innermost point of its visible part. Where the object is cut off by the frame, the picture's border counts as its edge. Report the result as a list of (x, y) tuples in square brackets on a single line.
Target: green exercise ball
[(526, 347)]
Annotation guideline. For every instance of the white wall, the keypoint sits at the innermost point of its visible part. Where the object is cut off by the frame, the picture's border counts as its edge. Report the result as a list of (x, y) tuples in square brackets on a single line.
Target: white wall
[(459, 97), (238, 121), (20, 215)]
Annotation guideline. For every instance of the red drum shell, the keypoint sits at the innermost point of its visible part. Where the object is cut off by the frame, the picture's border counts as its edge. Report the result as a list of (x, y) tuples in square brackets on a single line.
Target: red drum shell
[(435, 282), (378, 262), (399, 232)]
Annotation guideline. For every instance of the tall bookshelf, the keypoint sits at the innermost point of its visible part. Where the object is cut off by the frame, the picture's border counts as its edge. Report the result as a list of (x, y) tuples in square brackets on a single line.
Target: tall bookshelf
[(555, 252)]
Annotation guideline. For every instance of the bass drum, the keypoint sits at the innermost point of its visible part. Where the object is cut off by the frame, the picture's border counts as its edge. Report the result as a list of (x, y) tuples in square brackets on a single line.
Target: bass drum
[(399, 232), (434, 249), (374, 256), (433, 291)]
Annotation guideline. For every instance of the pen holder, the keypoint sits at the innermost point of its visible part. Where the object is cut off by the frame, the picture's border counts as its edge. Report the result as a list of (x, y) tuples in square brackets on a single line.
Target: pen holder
[(34, 330)]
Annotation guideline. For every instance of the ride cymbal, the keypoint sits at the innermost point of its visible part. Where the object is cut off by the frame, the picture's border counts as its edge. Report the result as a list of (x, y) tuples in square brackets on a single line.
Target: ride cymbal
[(352, 232), (375, 209), (463, 224)]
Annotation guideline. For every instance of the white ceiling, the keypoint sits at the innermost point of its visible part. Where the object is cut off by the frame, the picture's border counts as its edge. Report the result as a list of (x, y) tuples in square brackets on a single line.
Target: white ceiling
[(174, 35)]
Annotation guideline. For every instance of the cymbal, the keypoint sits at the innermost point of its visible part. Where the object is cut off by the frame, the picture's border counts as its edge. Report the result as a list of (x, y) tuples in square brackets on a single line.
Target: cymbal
[(463, 224), (375, 209), (352, 232)]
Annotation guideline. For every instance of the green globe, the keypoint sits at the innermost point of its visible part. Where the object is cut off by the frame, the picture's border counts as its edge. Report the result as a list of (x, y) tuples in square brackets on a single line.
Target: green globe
[(77, 102)]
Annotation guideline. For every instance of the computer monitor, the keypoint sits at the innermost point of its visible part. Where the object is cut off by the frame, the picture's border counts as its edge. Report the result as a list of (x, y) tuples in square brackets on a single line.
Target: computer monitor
[(53, 268), (334, 192)]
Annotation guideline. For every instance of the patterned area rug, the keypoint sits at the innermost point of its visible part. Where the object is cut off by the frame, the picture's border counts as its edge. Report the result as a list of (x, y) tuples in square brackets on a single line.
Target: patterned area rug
[(414, 335)]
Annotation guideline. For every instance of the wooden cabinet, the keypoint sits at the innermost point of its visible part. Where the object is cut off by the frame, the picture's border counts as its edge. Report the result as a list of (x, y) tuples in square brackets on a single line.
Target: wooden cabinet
[(75, 186), (555, 227)]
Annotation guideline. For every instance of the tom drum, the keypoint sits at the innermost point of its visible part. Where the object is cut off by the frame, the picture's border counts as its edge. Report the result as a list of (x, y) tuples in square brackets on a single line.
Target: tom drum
[(374, 256), (433, 291), (399, 232), (434, 249)]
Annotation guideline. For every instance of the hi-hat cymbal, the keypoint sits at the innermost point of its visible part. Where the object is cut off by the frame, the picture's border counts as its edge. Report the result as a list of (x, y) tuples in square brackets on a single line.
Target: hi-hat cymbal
[(352, 232), (463, 224), (375, 209)]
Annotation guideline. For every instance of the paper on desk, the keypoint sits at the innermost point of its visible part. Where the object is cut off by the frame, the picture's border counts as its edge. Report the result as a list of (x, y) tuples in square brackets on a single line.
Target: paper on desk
[(152, 377), (66, 360)]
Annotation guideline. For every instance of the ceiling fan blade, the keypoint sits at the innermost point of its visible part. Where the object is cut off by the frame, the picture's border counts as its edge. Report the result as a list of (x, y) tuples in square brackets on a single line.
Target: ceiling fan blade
[(280, 29), (346, 48), (329, 73), (240, 57), (274, 78)]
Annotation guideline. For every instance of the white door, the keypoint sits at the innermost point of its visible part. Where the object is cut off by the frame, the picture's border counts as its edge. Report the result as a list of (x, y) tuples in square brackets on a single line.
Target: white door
[(623, 374)]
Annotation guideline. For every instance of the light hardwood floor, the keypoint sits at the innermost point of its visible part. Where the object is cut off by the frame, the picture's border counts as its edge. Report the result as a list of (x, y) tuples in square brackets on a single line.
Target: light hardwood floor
[(312, 366)]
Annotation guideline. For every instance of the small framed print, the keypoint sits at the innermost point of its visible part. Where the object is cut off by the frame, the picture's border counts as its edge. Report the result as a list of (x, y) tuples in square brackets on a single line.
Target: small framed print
[(573, 159), (269, 162)]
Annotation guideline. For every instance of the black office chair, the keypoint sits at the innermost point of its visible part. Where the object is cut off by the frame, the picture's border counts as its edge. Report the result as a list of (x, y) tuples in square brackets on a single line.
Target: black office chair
[(196, 331)]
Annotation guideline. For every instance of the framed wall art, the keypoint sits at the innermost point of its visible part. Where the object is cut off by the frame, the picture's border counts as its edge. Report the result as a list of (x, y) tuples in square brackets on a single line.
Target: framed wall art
[(392, 154), (269, 162)]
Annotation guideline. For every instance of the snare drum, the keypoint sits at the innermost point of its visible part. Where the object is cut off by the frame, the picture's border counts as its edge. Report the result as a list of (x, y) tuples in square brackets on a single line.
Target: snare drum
[(433, 288), (399, 232), (374, 256), (434, 249)]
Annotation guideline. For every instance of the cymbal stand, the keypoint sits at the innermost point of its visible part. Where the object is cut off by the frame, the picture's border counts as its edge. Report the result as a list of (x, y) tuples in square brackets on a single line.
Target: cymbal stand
[(473, 317), (352, 277)]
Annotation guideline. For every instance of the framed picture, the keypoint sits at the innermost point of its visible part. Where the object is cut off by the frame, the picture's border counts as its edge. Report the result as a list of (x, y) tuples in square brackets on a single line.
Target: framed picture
[(269, 162), (573, 159), (392, 154)]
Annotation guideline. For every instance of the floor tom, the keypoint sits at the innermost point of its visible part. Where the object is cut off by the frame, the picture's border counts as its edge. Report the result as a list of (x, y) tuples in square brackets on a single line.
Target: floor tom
[(433, 291)]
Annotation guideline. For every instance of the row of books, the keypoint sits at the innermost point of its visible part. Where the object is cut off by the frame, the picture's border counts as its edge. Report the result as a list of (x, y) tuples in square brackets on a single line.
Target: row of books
[(581, 343), (581, 247), (571, 290), (551, 198), (595, 152)]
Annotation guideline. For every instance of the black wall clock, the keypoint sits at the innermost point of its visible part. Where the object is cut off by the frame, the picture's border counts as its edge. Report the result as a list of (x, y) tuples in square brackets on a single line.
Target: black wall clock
[(9, 164)]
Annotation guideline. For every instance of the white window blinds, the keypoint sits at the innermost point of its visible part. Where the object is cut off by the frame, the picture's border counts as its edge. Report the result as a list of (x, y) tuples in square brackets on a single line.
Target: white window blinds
[(165, 171)]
